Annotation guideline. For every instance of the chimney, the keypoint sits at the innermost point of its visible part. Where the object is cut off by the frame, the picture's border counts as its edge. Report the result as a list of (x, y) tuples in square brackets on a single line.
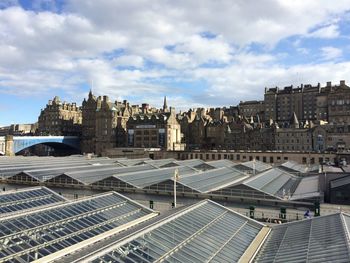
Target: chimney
[(329, 84), (342, 83)]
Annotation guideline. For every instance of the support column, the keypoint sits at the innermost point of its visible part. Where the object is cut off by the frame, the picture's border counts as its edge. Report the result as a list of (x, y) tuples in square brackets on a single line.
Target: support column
[(9, 145)]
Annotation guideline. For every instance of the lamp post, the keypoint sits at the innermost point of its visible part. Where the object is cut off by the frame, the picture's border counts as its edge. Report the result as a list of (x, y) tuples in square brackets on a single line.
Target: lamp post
[(176, 177)]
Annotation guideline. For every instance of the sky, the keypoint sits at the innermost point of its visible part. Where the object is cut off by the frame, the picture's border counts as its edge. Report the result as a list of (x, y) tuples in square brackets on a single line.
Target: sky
[(197, 53)]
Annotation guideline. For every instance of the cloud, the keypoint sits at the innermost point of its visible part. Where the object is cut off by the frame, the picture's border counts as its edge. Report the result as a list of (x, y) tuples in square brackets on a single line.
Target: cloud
[(331, 31), (330, 53), (218, 52)]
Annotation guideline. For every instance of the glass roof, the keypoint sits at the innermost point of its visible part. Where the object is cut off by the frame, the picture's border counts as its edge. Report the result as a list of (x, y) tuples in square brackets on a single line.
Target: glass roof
[(212, 180), (205, 232), (30, 236), (320, 239), (15, 201)]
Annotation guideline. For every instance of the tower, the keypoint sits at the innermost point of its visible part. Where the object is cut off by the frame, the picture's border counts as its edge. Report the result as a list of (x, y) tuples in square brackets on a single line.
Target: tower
[(165, 105)]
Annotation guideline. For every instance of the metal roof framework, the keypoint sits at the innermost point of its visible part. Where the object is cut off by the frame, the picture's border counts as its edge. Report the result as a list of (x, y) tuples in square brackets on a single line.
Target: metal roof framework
[(49, 233), (204, 232)]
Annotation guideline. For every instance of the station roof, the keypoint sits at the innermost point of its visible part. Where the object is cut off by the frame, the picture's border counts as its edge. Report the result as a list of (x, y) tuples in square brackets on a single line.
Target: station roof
[(13, 167), (253, 165), (221, 163), (147, 178), (275, 182), (340, 181), (51, 231), (213, 180), (99, 173), (292, 166), (193, 163), (204, 232), (320, 239), (27, 198), (131, 162), (308, 187)]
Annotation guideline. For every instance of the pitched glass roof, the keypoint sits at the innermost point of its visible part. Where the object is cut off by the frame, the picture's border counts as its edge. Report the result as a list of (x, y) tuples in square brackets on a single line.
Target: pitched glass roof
[(100, 173), (320, 239), (275, 182), (301, 168), (212, 180), (205, 232), (221, 163), (131, 162), (15, 201), (254, 165), (147, 178), (307, 187), (48, 173), (34, 235)]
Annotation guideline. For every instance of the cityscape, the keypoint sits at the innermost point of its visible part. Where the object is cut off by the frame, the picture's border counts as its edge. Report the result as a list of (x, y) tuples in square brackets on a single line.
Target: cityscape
[(133, 131)]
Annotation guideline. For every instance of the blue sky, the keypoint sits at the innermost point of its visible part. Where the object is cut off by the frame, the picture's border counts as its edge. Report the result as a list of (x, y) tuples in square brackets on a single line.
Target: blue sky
[(199, 54)]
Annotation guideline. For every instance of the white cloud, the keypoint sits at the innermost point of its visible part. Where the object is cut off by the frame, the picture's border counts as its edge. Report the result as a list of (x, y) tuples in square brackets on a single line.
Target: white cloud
[(162, 41), (331, 53), (331, 31), (129, 60)]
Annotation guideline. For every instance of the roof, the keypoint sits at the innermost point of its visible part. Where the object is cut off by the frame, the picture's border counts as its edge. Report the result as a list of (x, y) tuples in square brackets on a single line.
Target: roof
[(340, 181), (253, 165), (203, 232), (131, 162), (221, 163), (213, 180), (27, 198), (320, 239), (292, 166), (36, 234), (307, 187), (100, 173), (147, 178), (275, 182)]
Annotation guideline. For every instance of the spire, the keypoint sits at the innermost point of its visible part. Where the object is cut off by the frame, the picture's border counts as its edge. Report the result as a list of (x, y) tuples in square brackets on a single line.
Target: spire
[(165, 105), (294, 121)]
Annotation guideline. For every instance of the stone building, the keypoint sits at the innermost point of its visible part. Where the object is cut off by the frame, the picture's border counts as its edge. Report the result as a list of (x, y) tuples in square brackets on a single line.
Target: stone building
[(104, 123), (60, 119), (156, 130), (252, 108), (339, 103), (249, 135), (331, 137), (310, 103)]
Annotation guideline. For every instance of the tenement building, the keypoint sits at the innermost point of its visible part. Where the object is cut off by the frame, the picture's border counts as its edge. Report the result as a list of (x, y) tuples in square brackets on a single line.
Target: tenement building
[(104, 123), (156, 130), (60, 118), (310, 103)]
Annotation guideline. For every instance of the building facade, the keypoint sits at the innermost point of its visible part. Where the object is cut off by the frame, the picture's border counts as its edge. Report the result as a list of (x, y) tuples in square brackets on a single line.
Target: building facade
[(60, 118), (157, 130), (104, 123)]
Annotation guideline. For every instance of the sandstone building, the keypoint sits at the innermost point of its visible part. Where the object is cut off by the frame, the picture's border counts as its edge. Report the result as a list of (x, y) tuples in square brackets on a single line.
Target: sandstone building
[(156, 130), (60, 118), (104, 123)]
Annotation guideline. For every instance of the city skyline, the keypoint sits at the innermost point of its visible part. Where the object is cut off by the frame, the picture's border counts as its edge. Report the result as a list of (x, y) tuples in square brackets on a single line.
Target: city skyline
[(215, 54)]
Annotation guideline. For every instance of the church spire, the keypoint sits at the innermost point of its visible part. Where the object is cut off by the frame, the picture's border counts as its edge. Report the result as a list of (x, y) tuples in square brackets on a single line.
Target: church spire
[(165, 105), (294, 121)]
